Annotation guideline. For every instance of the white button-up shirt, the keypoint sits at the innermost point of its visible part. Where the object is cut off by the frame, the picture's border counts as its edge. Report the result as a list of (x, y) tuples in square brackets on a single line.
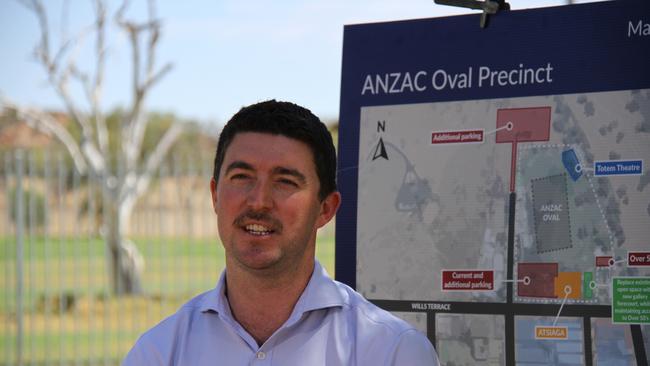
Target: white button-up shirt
[(331, 324)]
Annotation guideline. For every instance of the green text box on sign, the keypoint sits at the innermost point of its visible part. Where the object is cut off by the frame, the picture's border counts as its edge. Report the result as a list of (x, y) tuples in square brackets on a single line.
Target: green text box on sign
[(631, 300)]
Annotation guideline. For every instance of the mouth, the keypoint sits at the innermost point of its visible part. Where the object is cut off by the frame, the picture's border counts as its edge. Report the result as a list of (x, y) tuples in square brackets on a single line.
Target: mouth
[(258, 230), (258, 224)]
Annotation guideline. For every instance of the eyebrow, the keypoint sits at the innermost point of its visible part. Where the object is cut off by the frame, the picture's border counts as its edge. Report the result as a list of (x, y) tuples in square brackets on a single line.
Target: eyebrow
[(238, 164)]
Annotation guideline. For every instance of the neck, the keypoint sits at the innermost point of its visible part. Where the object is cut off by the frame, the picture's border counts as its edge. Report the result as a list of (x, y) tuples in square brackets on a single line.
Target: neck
[(260, 301)]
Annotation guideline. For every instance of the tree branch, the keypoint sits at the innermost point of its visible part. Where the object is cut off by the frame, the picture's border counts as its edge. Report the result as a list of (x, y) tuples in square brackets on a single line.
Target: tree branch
[(155, 77), (135, 185), (156, 157), (60, 79), (61, 87), (134, 117), (48, 125), (154, 33), (100, 52), (135, 126), (42, 50)]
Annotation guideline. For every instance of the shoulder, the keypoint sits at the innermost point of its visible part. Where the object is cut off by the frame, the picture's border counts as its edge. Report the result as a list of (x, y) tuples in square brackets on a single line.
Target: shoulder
[(367, 312), (177, 322), (379, 332), (157, 345)]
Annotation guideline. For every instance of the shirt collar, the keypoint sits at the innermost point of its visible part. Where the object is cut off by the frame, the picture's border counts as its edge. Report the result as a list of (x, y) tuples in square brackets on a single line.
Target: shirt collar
[(216, 300), (321, 292)]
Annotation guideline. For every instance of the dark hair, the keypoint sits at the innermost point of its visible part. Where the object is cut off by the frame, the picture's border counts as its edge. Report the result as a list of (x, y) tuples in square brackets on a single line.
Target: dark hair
[(290, 120)]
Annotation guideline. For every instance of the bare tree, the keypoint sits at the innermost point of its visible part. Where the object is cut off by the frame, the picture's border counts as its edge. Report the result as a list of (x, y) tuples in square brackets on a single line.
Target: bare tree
[(90, 152)]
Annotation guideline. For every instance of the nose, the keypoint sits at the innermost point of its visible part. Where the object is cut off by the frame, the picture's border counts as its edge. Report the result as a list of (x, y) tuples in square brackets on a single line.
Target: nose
[(260, 196)]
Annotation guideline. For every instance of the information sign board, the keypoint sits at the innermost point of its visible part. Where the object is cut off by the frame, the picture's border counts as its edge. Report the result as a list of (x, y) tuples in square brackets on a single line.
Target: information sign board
[(493, 180)]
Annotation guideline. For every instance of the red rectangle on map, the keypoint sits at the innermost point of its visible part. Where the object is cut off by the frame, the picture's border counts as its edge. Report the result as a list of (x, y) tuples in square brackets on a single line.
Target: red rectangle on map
[(457, 137), (523, 124), (638, 259), (467, 280), (541, 279), (604, 261)]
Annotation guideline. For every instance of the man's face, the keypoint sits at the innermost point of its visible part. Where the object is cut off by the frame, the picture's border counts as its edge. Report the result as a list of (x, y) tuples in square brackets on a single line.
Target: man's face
[(267, 204)]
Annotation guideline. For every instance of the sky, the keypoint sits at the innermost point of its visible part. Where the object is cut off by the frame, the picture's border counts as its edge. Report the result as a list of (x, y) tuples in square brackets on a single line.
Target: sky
[(225, 53)]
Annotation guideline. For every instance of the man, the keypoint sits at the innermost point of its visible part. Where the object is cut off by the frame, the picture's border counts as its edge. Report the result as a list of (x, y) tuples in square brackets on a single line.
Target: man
[(273, 188)]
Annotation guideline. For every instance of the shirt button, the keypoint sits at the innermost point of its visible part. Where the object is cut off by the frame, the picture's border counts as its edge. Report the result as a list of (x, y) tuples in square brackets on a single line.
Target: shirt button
[(261, 355)]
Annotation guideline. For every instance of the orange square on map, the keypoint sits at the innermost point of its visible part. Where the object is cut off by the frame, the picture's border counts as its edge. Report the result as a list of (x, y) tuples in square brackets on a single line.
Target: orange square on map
[(568, 281)]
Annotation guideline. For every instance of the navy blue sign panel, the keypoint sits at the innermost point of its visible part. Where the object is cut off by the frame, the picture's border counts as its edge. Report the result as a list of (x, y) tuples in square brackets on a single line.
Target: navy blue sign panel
[(493, 181), (548, 51)]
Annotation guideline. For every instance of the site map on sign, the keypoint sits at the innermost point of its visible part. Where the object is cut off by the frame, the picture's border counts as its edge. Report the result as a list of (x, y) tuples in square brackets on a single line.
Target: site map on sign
[(480, 209)]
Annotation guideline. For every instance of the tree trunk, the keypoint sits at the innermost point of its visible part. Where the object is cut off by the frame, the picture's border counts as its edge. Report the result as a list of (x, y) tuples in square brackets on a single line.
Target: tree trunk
[(124, 261)]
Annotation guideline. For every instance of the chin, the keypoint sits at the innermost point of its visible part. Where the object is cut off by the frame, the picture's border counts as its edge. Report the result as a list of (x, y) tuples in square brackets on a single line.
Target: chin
[(260, 264)]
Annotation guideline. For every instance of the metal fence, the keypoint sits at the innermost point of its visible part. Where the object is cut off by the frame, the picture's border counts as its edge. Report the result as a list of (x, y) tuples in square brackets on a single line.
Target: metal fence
[(56, 303), (56, 306)]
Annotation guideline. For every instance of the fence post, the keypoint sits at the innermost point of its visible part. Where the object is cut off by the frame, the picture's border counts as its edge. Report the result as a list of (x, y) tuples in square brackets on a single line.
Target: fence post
[(20, 240)]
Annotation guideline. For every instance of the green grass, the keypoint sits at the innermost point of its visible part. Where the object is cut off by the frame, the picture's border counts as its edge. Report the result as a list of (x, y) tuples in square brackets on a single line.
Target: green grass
[(70, 346), (79, 266), (39, 248), (100, 326)]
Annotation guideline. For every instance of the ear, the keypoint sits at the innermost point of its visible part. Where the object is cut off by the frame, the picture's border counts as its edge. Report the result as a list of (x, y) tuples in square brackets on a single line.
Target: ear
[(328, 208), (213, 191)]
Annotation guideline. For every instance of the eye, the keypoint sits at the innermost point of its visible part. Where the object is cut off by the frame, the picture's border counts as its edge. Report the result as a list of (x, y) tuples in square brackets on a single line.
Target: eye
[(239, 176), (288, 182)]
